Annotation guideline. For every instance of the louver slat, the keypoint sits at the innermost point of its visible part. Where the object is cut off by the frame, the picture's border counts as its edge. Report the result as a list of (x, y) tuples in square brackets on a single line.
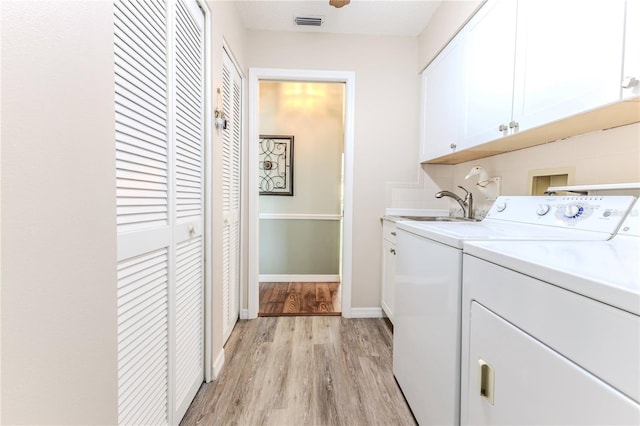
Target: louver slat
[(143, 337), (188, 317), (189, 115), (141, 117)]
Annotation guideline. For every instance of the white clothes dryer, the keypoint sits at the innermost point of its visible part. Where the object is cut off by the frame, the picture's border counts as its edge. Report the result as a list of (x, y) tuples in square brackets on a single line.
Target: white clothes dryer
[(551, 331)]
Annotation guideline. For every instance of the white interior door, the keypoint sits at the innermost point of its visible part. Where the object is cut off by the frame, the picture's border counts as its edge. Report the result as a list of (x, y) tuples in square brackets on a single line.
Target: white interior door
[(159, 71), (188, 137), (231, 160)]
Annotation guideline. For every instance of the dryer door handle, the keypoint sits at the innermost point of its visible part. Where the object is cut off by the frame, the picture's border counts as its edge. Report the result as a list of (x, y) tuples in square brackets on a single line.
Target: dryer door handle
[(487, 380)]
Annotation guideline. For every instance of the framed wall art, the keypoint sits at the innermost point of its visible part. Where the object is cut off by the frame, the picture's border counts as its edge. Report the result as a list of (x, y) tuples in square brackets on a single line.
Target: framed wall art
[(275, 165)]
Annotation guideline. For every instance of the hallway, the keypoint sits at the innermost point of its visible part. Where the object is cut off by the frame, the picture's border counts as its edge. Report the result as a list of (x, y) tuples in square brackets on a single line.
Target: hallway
[(304, 371)]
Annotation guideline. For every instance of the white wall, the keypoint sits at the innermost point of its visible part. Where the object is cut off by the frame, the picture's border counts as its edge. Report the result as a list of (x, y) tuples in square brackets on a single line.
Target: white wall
[(608, 156), (443, 26), (58, 214), (386, 126), (314, 114), (314, 117)]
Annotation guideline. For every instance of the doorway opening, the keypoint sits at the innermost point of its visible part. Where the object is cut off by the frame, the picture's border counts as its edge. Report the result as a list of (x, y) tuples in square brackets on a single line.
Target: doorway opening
[(300, 178), (300, 209)]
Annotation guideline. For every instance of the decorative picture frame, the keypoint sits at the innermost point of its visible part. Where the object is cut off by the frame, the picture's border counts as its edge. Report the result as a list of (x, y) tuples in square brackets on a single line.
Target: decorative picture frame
[(275, 165)]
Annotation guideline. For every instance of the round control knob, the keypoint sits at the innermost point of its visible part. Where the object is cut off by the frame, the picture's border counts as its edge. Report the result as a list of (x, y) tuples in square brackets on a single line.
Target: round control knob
[(500, 207), (543, 209), (572, 211)]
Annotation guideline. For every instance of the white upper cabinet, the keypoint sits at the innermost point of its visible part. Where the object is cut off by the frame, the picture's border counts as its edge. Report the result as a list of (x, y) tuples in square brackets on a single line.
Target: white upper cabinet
[(442, 97), (568, 58), (521, 65), (488, 76), (631, 74)]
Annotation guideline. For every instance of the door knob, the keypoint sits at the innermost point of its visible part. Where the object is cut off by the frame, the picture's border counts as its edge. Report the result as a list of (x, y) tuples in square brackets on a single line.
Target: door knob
[(192, 230)]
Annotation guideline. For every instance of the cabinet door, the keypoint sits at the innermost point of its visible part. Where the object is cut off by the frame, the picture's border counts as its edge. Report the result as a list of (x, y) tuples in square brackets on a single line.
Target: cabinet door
[(631, 49), (442, 96), (568, 58), (388, 277), (531, 383), (488, 72)]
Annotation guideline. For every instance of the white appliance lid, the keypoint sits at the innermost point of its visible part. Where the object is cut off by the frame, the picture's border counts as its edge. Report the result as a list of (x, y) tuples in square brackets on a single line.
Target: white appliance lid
[(455, 233), (602, 270)]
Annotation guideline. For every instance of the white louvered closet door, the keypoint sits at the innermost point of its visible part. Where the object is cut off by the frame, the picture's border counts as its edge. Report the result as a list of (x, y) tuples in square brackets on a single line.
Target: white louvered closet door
[(159, 154), (231, 160), (189, 221)]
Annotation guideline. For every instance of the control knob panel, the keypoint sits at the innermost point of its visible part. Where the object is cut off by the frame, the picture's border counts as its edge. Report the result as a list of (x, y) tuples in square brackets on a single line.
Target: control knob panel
[(543, 209), (573, 211), (585, 212)]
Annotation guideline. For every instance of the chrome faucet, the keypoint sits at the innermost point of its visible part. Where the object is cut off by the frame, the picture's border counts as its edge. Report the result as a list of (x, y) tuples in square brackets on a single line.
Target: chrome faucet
[(466, 204)]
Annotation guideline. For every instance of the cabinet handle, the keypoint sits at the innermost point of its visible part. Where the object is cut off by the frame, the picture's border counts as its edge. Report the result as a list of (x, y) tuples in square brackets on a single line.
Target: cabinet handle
[(502, 128), (487, 381), (629, 82), (392, 251), (393, 233), (513, 125), (453, 146)]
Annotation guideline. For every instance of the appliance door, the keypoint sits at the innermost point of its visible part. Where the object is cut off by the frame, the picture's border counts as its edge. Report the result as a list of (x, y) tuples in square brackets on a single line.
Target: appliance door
[(515, 379), (426, 338)]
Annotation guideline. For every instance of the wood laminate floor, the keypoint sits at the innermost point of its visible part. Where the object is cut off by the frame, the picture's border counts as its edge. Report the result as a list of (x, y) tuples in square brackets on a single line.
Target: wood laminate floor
[(299, 299), (304, 371)]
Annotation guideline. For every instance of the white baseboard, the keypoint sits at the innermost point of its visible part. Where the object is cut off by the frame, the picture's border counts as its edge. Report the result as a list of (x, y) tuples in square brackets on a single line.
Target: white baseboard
[(366, 312), (244, 314), (218, 364), (300, 278)]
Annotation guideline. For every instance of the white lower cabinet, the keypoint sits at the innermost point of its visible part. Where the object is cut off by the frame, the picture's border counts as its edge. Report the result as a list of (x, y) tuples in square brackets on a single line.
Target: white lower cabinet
[(515, 379), (388, 267)]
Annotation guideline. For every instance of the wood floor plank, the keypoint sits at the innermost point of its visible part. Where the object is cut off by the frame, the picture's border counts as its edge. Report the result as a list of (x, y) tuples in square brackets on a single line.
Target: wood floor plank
[(297, 298), (323, 294), (300, 396), (292, 304), (304, 371), (278, 292)]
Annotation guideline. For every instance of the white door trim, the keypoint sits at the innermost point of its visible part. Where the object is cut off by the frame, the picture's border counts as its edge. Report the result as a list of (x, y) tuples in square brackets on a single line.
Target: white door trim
[(208, 184), (347, 77)]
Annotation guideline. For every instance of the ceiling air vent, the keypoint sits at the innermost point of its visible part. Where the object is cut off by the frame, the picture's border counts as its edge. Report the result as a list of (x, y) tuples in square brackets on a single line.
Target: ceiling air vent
[(309, 21)]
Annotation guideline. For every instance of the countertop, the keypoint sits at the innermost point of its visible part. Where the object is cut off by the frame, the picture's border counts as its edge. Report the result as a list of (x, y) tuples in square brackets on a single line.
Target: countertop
[(395, 215)]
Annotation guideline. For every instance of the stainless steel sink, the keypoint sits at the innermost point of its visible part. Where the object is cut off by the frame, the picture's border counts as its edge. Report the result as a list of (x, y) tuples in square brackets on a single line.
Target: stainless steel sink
[(439, 219)]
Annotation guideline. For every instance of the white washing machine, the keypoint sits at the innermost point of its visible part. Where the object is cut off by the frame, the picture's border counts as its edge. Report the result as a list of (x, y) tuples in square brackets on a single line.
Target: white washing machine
[(551, 331), (429, 266)]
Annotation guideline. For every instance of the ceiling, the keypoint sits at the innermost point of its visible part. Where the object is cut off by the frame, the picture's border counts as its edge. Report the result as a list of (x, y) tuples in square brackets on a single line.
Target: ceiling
[(370, 17)]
